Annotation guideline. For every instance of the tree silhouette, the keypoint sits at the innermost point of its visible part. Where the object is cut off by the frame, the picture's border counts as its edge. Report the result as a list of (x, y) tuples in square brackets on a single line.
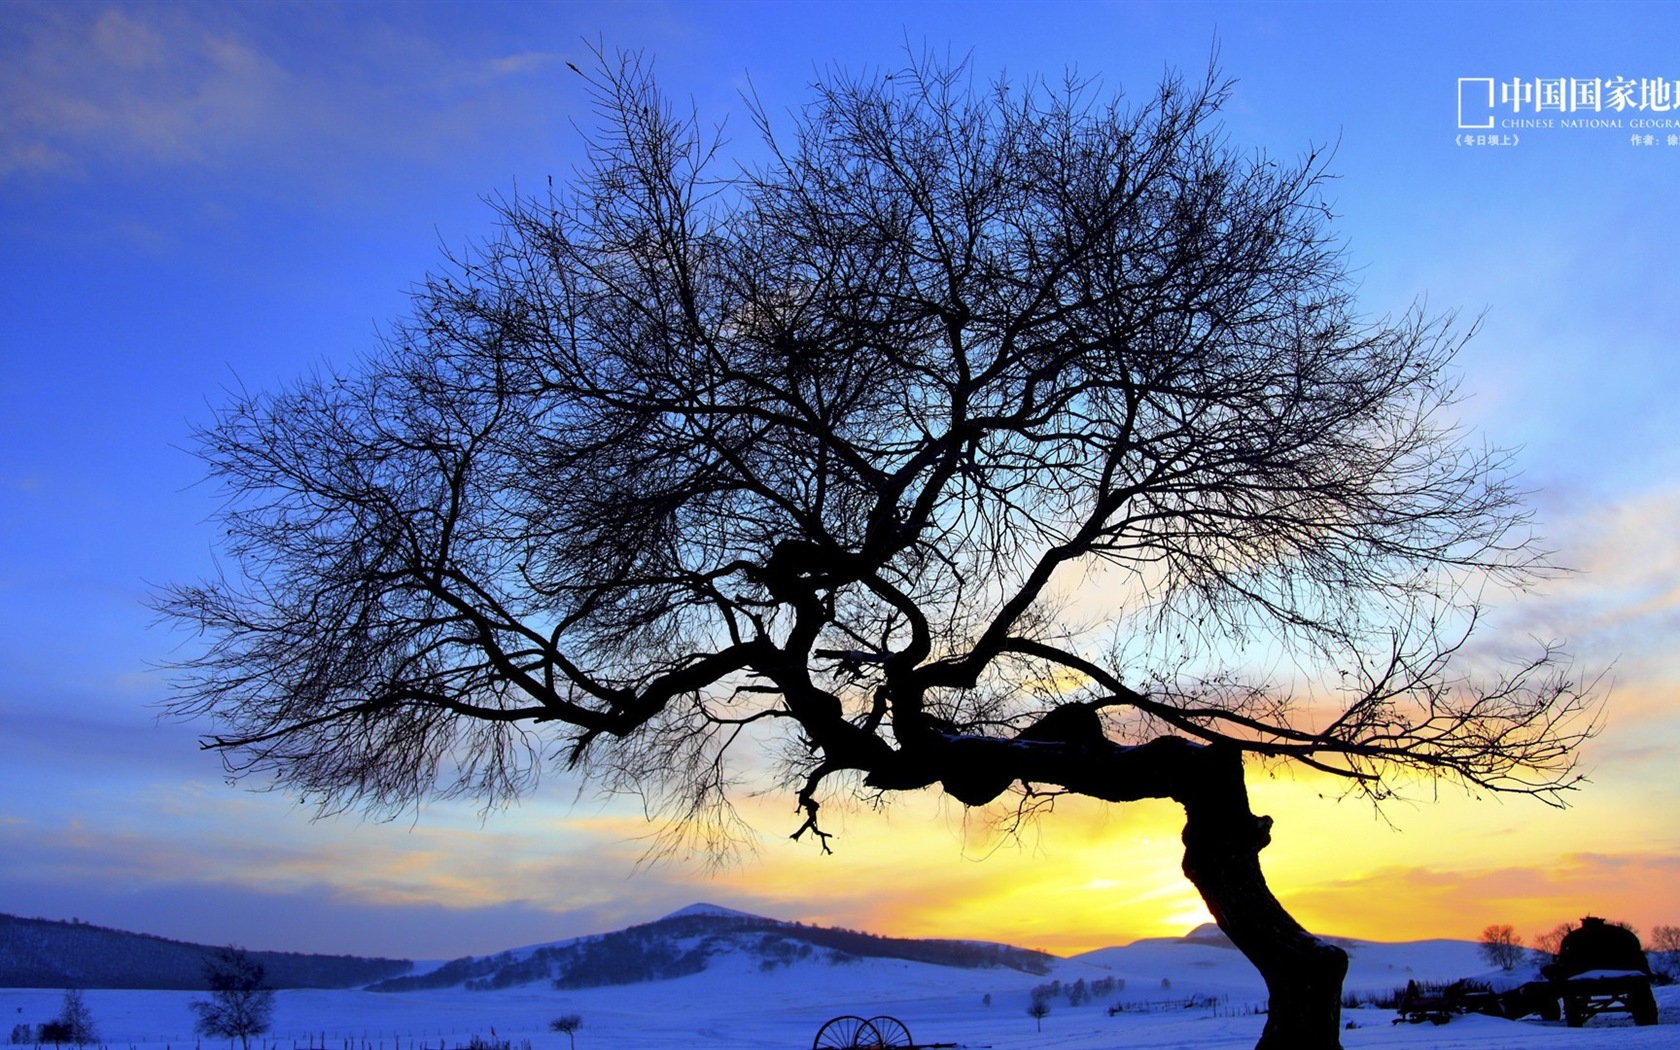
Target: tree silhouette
[(1501, 946), (993, 440), (74, 1023), (1548, 944), (241, 1004), (1038, 1010), (1665, 951), (568, 1024)]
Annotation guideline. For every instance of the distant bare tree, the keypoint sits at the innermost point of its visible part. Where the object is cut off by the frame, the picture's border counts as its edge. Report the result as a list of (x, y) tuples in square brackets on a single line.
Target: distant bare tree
[(74, 1023), (1501, 946), (1548, 944), (821, 450), (241, 1004), (569, 1024), (1664, 949), (1077, 993), (1038, 1010)]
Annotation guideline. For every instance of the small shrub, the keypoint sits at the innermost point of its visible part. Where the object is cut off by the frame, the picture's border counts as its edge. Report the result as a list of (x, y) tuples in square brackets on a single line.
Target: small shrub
[(569, 1024)]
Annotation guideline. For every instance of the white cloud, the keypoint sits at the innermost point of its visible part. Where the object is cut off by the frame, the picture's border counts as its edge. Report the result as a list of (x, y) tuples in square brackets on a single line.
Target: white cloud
[(151, 86), (1621, 602)]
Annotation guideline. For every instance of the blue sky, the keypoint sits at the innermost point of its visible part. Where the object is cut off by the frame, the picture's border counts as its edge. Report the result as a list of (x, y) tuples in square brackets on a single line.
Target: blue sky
[(198, 196)]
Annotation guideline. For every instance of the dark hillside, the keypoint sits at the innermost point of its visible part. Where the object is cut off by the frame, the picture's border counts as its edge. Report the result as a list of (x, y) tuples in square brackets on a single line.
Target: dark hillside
[(42, 953)]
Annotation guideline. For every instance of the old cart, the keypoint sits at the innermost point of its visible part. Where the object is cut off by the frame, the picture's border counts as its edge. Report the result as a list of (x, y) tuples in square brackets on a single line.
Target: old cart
[(1440, 1005), (1600, 968)]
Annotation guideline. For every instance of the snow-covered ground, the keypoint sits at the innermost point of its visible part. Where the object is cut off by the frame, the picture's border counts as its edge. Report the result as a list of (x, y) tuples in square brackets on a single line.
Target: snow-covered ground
[(739, 1005)]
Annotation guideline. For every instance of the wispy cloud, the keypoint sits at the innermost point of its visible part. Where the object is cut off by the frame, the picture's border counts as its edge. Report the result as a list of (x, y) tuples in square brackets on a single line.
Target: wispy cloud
[(147, 83), (1629, 560), (524, 62), (1618, 610), (223, 89), (193, 850)]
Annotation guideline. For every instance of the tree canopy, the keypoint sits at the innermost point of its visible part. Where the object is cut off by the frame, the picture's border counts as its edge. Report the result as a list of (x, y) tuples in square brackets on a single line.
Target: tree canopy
[(975, 436)]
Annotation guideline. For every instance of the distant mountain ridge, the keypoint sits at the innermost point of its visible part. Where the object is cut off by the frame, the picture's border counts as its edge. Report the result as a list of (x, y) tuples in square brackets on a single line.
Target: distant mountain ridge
[(688, 941), (47, 953)]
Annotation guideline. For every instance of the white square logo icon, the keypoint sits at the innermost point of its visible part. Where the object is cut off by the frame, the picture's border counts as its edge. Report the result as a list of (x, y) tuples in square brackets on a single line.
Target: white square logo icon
[(1475, 103)]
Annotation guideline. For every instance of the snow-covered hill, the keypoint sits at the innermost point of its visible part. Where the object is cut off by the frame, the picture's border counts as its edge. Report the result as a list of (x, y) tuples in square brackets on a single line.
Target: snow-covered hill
[(1210, 964), (694, 939), (1191, 993), (736, 1005)]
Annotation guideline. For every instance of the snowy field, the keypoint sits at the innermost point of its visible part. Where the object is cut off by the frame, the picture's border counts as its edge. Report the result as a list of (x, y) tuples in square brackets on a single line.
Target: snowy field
[(737, 1004)]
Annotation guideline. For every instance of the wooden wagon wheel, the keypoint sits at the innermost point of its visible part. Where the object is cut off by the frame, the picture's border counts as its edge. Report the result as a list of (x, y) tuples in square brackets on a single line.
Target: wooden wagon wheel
[(846, 1032), (891, 1032)]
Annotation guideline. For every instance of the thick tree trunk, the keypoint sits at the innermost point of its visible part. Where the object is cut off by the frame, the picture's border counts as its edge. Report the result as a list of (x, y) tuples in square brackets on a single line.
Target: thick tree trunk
[(1222, 844)]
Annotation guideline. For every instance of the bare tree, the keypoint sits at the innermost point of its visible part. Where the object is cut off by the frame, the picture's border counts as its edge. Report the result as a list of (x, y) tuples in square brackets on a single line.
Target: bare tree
[(74, 1023), (1038, 1010), (1664, 951), (241, 1004), (569, 1024), (821, 451), (1547, 945), (1501, 946)]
